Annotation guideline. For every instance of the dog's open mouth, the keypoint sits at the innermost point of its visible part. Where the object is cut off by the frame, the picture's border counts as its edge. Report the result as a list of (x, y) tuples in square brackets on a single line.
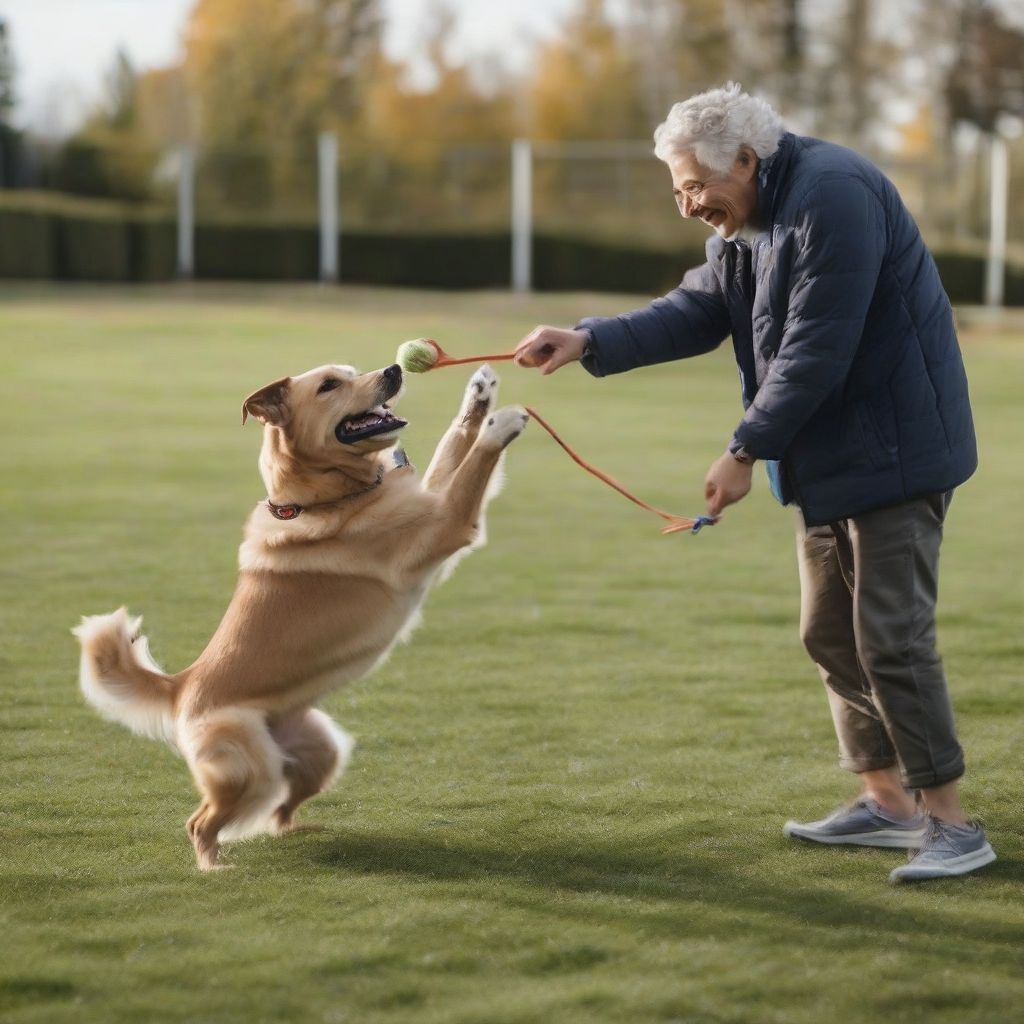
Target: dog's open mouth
[(373, 422)]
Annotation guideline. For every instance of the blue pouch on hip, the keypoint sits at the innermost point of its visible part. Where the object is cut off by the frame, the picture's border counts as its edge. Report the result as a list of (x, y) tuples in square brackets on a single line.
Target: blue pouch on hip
[(774, 470)]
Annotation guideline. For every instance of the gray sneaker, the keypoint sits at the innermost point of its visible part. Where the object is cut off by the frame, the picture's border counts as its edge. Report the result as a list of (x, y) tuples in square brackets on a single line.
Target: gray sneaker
[(947, 850), (862, 823)]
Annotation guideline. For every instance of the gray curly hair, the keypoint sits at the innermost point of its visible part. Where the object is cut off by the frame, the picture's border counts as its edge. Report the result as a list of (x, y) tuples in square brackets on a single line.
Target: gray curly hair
[(714, 124)]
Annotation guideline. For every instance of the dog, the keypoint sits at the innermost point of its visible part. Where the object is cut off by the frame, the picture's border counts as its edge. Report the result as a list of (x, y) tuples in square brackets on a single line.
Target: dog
[(333, 569)]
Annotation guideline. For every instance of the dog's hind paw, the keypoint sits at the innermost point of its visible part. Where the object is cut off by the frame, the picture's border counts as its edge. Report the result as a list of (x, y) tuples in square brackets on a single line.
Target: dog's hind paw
[(505, 425), (297, 829), (481, 392)]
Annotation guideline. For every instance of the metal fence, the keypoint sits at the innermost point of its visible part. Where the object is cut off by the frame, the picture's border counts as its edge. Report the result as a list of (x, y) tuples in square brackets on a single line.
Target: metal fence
[(612, 192)]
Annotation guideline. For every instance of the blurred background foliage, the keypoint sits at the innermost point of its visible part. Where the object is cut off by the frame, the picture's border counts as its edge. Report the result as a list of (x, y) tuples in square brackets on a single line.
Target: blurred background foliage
[(917, 85)]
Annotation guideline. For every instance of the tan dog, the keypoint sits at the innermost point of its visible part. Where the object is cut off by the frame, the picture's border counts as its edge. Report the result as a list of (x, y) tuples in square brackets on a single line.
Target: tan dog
[(333, 569)]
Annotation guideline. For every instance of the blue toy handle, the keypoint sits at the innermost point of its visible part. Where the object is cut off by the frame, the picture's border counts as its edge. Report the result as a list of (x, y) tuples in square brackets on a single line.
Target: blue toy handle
[(702, 521)]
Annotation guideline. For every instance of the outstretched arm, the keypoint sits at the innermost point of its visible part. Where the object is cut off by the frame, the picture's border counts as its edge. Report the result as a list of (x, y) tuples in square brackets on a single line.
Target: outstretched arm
[(689, 321)]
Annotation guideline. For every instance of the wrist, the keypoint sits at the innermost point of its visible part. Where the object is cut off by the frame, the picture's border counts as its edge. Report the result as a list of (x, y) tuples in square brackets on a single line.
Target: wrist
[(585, 340), (742, 456)]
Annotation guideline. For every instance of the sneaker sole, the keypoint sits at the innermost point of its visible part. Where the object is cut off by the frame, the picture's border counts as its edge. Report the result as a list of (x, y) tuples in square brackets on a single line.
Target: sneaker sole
[(947, 869), (886, 839)]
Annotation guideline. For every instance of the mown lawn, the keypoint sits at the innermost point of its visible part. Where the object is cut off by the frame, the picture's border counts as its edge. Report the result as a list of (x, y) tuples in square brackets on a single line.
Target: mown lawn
[(567, 798)]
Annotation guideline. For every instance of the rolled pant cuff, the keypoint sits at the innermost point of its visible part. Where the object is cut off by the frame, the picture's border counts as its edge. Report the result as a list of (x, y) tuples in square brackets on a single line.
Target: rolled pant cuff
[(937, 777)]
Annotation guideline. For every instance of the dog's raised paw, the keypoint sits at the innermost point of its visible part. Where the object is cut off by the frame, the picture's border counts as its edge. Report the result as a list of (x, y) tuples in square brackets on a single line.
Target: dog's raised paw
[(506, 425), (481, 392)]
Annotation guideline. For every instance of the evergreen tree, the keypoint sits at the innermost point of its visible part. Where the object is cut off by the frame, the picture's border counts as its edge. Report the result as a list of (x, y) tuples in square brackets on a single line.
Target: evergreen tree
[(8, 98), (122, 91), (10, 140)]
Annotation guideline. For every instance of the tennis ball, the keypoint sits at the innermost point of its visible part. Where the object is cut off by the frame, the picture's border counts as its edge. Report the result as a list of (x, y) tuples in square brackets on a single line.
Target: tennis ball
[(417, 356)]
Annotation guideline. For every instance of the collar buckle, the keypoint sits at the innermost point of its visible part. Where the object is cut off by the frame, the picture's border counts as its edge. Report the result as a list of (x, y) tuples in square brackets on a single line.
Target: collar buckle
[(284, 512)]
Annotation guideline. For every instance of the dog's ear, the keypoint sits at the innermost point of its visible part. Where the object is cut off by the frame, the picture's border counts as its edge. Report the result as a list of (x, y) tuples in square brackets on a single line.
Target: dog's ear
[(269, 404)]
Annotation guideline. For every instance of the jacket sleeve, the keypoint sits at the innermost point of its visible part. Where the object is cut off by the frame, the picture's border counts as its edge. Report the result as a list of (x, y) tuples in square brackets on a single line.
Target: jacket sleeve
[(840, 244), (690, 320)]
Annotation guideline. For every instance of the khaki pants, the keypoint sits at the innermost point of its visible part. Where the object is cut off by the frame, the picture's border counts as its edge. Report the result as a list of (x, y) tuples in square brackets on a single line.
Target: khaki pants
[(867, 617)]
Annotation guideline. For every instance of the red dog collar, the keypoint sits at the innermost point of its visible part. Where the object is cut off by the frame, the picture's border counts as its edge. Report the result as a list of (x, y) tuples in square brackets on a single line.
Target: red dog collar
[(287, 512)]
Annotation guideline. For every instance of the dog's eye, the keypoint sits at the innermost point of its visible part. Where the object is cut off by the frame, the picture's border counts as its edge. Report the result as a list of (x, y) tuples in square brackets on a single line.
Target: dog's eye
[(327, 384)]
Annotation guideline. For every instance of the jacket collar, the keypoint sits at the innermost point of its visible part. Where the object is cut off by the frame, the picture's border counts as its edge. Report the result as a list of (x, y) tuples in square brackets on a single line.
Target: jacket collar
[(772, 175)]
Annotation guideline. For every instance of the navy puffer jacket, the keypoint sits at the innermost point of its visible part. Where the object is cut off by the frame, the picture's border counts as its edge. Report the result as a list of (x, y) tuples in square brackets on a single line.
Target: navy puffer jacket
[(853, 383)]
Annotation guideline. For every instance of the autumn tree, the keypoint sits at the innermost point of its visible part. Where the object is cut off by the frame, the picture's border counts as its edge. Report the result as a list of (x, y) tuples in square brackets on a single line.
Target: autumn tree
[(987, 79), (163, 108), (266, 77), (681, 47), (436, 152), (453, 109), (107, 156), (587, 83), (279, 71)]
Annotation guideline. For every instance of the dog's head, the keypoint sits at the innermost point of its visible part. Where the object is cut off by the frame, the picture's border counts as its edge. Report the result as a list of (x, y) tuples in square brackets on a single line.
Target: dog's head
[(331, 410)]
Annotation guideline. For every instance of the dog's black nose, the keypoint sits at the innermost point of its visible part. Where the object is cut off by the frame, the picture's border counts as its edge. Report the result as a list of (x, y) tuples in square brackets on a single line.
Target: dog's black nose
[(393, 373)]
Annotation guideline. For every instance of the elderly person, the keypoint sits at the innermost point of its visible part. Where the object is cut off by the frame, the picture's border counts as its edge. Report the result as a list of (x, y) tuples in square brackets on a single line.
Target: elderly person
[(856, 401)]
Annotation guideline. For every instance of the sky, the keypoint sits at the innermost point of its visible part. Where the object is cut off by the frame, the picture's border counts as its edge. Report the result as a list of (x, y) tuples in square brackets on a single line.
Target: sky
[(64, 47)]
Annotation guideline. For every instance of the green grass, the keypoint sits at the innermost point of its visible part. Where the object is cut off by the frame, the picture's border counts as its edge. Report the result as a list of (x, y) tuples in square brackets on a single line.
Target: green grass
[(567, 797)]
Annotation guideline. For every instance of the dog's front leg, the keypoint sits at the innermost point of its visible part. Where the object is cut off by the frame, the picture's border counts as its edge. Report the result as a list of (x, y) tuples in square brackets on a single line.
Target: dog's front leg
[(469, 488), (477, 403)]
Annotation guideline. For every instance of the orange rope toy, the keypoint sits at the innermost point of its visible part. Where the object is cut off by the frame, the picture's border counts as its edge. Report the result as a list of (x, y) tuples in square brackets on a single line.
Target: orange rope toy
[(425, 354), (420, 356)]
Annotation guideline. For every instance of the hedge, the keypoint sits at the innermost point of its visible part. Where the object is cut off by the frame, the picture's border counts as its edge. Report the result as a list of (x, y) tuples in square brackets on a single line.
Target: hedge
[(27, 244), (42, 237)]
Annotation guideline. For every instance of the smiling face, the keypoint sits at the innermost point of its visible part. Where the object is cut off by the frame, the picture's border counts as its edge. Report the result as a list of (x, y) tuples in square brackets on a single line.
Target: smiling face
[(331, 410), (726, 202)]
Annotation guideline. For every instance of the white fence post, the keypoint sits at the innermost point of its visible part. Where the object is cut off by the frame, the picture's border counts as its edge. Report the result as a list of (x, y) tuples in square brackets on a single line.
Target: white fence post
[(522, 215), (327, 153), (186, 211), (999, 196)]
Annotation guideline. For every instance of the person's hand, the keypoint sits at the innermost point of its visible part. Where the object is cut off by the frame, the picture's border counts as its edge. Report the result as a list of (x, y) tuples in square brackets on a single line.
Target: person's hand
[(548, 348), (728, 481)]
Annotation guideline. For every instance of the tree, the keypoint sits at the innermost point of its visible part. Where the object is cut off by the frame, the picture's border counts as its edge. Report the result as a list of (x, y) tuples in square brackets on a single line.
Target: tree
[(10, 139), (163, 108), (428, 155), (108, 156), (122, 94), (8, 97), (987, 79), (266, 77), (452, 111), (587, 84), (279, 71)]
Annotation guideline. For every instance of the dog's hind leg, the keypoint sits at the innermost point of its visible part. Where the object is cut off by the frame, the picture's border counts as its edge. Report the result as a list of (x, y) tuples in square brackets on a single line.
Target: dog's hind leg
[(239, 771), (481, 391), (316, 751)]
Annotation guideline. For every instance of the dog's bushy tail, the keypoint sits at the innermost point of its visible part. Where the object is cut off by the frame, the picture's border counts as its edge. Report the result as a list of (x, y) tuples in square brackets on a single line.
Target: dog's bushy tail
[(119, 677)]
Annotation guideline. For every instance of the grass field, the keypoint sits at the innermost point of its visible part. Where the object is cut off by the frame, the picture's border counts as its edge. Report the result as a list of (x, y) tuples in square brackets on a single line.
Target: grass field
[(567, 797)]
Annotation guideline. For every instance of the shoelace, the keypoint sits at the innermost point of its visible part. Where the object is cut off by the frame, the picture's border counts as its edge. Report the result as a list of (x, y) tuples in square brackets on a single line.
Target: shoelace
[(936, 831)]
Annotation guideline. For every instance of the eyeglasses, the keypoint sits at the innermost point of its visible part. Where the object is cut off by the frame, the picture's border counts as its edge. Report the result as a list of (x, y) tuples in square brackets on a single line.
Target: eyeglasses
[(690, 191), (694, 188)]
